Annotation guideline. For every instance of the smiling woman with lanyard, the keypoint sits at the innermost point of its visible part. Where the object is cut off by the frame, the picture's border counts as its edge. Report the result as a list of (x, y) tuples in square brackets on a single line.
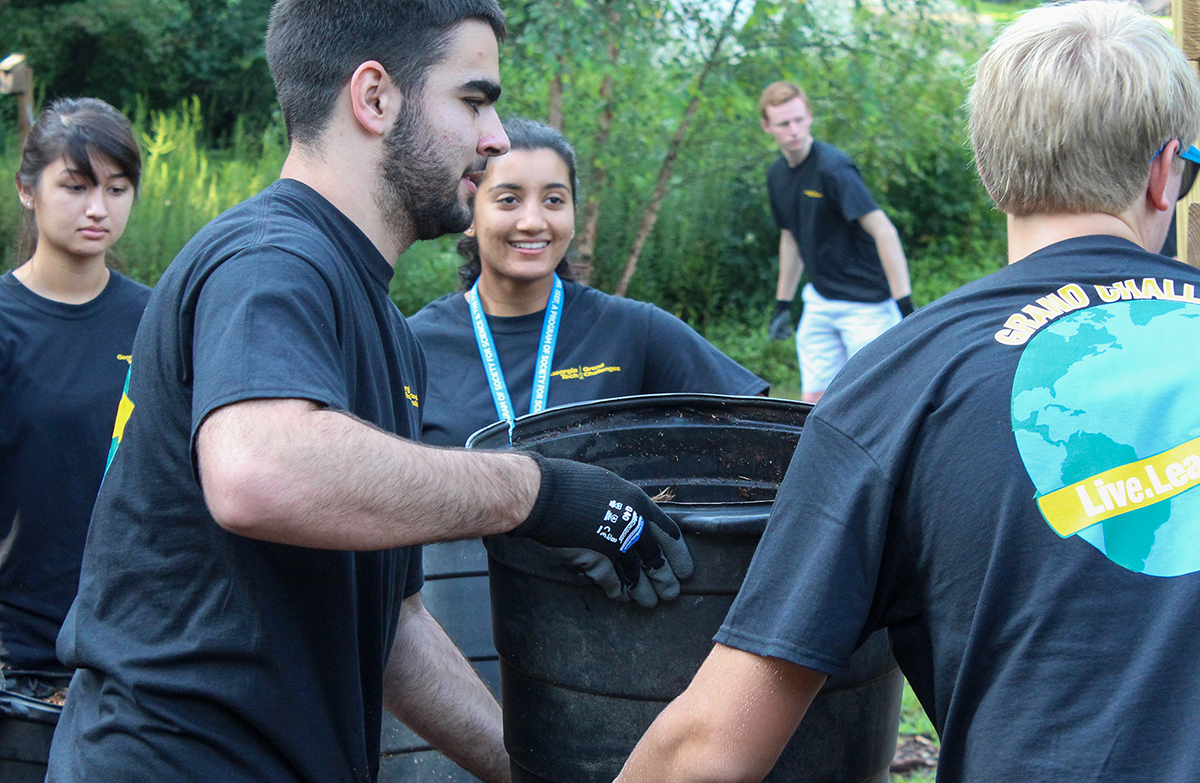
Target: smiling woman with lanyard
[(522, 336)]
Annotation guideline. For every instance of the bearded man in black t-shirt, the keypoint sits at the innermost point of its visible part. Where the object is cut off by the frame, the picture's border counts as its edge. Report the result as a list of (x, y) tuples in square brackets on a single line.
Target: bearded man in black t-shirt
[(831, 229), (1009, 480), (249, 599)]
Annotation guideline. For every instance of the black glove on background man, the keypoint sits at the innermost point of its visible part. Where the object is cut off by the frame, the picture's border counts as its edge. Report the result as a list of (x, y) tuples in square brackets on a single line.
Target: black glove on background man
[(781, 321), (609, 529)]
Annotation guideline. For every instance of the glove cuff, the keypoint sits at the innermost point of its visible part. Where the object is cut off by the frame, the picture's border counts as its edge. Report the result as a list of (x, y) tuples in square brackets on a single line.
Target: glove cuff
[(782, 306), (537, 516)]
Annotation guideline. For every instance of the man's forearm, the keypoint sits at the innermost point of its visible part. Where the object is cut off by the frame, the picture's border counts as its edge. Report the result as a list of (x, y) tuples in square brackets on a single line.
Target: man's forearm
[(433, 689), (891, 252), (791, 267), (895, 266), (291, 472), (730, 724)]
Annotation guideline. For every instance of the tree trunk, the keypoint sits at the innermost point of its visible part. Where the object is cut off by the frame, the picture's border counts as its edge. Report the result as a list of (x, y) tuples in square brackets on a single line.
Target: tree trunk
[(585, 256), (650, 217), (555, 118)]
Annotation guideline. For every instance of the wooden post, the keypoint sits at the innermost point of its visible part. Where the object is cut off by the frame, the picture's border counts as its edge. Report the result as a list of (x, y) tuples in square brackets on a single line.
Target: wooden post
[(16, 78), (1185, 22)]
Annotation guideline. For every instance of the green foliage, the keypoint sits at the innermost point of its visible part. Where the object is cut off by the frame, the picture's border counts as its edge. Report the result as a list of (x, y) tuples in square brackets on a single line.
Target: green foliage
[(427, 271), (913, 719), (886, 85), (886, 80), (153, 52), (1003, 10), (223, 61), (747, 344), (184, 185), (113, 49), (11, 213), (948, 263)]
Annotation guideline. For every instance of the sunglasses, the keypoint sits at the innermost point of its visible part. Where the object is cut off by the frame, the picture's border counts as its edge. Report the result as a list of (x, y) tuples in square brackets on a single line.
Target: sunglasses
[(1191, 166)]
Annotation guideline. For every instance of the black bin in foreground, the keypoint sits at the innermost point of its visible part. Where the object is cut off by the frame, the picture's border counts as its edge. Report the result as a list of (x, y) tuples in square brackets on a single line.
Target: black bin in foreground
[(583, 676), (26, 729)]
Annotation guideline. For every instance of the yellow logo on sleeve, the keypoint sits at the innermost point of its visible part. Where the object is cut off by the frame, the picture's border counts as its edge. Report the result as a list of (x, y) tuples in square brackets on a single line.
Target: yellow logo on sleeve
[(813, 194), (124, 411), (408, 395)]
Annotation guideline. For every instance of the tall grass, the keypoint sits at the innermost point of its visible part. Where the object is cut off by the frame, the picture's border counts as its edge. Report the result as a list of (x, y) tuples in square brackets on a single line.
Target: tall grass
[(184, 185), (11, 213)]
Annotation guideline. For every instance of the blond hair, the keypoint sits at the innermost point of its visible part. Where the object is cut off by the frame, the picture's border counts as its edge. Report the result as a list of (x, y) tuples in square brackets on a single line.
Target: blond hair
[(778, 93), (1071, 103)]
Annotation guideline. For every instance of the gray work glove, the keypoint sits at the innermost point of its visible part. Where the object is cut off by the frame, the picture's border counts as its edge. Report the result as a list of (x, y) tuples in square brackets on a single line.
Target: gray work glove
[(609, 529), (781, 321)]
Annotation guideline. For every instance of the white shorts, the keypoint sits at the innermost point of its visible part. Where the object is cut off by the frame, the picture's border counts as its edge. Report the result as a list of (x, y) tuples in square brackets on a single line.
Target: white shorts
[(832, 330)]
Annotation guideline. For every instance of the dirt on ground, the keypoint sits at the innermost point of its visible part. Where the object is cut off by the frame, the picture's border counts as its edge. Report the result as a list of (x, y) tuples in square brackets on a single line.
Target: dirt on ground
[(914, 753)]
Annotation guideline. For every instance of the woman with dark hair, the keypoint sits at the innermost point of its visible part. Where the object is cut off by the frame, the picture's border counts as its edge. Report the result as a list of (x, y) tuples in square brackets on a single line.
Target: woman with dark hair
[(569, 342), (66, 332)]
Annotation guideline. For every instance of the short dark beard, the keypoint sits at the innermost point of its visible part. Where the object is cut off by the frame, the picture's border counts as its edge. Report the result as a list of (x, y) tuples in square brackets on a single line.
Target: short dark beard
[(418, 195)]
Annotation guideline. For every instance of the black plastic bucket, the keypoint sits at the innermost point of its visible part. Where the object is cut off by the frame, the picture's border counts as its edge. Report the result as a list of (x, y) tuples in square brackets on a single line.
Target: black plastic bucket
[(582, 676), (26, 729)]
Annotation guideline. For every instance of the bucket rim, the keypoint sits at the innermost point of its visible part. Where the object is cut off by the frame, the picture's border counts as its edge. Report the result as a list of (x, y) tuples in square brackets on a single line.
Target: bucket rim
[(571, 414), (18, 706)]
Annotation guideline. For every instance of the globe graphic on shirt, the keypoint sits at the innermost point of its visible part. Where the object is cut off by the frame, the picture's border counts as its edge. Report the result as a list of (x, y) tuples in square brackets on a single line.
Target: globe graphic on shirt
[(1106, 415)]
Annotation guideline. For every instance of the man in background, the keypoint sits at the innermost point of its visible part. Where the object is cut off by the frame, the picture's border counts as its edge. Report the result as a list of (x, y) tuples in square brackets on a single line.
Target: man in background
[(831, 228), (1007, 481)]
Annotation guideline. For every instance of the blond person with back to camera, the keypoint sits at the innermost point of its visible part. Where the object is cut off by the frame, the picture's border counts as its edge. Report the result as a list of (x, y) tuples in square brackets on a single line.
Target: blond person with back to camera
[(1006, 481)]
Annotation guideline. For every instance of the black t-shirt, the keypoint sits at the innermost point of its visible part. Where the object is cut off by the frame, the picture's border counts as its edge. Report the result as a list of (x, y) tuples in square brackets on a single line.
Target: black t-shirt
[(1006, 481), (205, 655), (607, 346), (62, 369), (820, 202)]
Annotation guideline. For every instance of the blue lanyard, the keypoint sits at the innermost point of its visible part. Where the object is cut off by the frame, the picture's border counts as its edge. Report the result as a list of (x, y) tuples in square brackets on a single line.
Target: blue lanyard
[(491, 358)]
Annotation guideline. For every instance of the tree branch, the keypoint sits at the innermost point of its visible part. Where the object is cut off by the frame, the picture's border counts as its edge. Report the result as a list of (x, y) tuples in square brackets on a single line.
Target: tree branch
[(650, 216)]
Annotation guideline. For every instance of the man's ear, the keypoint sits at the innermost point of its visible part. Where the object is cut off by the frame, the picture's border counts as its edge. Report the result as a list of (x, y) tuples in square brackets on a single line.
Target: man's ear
[(1160, 177), (374, 97)]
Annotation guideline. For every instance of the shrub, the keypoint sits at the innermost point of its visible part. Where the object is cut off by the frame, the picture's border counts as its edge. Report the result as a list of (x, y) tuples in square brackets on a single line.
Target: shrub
[(774, 362)]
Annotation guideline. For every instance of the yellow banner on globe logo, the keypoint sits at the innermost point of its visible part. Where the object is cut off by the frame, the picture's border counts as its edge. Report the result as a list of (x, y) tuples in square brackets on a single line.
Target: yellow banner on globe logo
[(1122, 489)]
